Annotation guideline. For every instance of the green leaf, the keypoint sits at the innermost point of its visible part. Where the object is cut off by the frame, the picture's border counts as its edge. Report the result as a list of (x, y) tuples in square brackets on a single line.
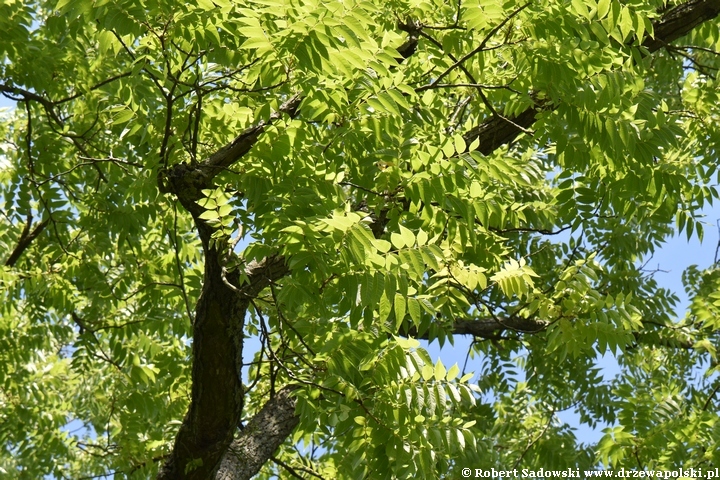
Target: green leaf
[(210, 215), (399, 304), (603, 8), (123, 116), (301, 183), (206, 4), (440, 371), (459, 144), (382, 245), (413, 307), (453, 372), (398, 240), (581, 8), (257, 42), (408, 238), (225, 210), (385, 307), (422, 238)]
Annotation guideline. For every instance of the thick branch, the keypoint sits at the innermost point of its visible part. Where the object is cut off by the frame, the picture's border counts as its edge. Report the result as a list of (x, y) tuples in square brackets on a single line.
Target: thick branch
[(488, 328), (259, 440), (15, 93), (242, 144), (187, 181), (678, 22), (492, 328), (26, 238), (410, 45), (217, 393), (497, 131), (675, 23)]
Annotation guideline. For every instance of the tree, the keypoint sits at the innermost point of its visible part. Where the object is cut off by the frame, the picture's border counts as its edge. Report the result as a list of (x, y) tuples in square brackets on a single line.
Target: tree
[(332, 181)]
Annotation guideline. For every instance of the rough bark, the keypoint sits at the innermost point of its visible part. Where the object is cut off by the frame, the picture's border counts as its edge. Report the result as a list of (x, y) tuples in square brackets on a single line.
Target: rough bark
[(678, 21), (492, 327), (217, 394), (260, 438)]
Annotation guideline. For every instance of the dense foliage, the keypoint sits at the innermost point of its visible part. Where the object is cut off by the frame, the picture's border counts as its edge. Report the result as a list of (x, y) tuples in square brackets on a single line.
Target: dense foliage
[(226, 224)]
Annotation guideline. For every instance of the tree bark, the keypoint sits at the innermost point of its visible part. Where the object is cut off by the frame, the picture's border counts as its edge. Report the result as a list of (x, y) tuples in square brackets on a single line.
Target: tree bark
[(260, 438), (217, 393), (678, 21)]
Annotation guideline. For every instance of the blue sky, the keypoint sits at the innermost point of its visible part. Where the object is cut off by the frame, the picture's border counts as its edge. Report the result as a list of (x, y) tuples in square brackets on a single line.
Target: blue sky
[(671, 261)]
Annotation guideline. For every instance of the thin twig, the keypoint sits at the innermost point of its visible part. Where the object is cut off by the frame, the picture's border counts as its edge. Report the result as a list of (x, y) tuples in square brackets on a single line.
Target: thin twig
[(287, 467), (710, 397), (535, 440), (480, 47)]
